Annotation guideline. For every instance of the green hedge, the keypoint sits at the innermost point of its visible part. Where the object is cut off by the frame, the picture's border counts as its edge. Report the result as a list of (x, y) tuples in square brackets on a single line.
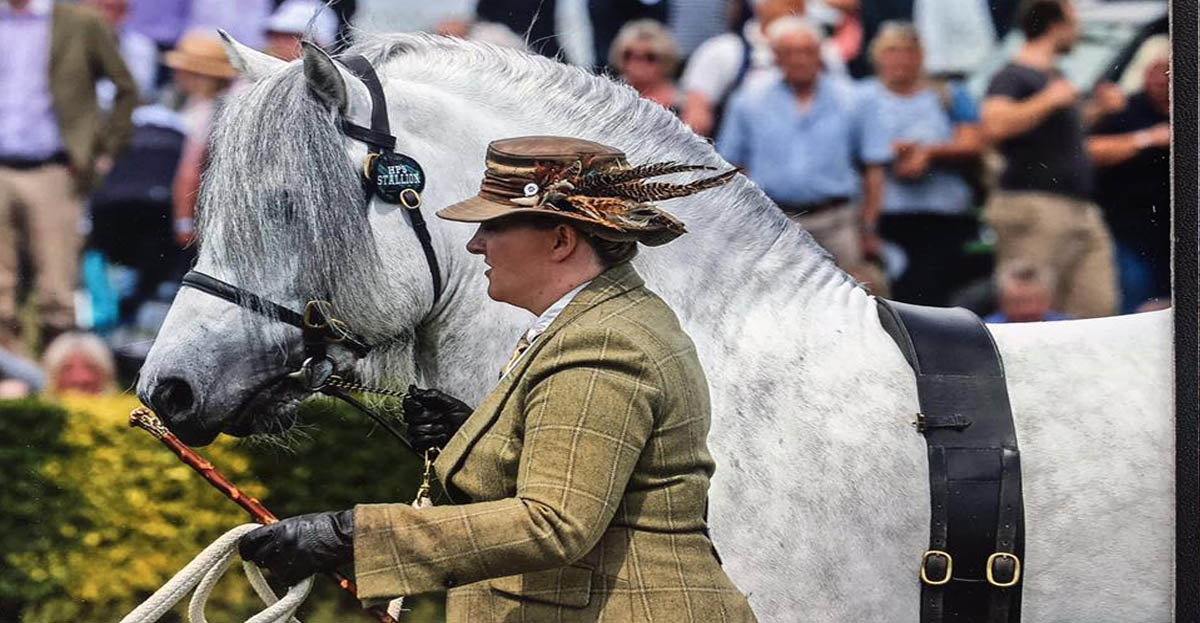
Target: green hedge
[(94, 515), (30, 436)]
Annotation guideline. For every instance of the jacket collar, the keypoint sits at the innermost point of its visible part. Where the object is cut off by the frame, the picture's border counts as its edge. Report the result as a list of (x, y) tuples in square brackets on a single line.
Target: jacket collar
[(613, 282)]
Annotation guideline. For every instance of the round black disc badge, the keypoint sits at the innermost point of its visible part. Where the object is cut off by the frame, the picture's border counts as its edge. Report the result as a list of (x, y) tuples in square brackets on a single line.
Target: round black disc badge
[(397, 179)]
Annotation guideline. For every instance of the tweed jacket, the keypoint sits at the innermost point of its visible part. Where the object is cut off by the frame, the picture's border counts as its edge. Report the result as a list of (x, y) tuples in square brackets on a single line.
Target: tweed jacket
[(581, 482), (83, 49)]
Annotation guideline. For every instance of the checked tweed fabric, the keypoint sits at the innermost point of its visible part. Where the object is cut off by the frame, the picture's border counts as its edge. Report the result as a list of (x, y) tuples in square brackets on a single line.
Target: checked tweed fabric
[(580, 483)]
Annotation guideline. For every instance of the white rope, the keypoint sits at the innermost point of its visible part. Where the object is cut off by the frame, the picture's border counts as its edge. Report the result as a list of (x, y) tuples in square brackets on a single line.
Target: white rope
[(203, 573)]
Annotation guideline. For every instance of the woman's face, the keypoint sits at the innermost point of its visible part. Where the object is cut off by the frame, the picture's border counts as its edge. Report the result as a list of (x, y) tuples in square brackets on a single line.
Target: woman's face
[(284, 45), (198, 85), (642, 65), (518, 259), (899, 62), (80, 374)]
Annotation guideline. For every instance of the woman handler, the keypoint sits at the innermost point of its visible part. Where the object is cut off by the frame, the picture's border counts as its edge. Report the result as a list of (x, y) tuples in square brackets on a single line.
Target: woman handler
[(580, 483)]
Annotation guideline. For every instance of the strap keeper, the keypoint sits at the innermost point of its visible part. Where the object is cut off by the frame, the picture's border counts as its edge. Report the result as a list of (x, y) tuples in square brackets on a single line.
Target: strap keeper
[(925, 423), (1004, 565), (931, 574)]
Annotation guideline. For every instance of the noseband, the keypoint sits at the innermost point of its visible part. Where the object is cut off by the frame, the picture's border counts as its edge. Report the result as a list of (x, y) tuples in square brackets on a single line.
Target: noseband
[(394, 178)]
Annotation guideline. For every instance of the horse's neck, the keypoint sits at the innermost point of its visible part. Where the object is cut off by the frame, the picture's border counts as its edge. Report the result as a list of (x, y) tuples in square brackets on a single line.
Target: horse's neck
[(740, 269), (724, 292), (729, 295)]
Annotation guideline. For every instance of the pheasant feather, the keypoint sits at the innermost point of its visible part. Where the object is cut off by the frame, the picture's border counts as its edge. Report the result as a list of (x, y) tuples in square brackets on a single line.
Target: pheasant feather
[(643, 192), (596, 183)]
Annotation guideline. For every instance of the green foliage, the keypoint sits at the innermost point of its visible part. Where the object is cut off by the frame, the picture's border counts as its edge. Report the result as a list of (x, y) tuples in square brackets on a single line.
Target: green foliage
[(136, 516), (94, 516), (30, 436)]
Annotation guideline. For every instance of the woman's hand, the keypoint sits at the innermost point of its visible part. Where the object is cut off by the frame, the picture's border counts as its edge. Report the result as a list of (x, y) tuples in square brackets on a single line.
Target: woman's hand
[(433, 417), (298, 547)]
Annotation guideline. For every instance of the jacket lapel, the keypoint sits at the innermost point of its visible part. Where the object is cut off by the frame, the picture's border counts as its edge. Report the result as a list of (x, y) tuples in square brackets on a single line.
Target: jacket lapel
[(611, 283)]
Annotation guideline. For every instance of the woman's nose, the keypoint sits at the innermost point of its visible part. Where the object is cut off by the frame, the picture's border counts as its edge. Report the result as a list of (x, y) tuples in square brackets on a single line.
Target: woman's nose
[(475, 244)]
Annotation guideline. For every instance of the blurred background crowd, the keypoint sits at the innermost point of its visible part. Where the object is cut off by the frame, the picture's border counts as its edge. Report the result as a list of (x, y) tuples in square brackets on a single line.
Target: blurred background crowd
[(1007, 156)]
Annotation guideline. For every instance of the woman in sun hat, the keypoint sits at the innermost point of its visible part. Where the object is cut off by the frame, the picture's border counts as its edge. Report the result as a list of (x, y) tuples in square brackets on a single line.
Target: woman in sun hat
[(202, 74), (579, 486)]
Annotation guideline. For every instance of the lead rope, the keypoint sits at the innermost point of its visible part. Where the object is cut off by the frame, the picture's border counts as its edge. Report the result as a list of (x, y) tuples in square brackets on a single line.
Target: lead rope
[(340, 383), (202, 574)]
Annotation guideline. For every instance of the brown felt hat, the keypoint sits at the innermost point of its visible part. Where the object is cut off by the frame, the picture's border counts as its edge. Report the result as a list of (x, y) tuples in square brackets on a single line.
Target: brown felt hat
[(581, 181)]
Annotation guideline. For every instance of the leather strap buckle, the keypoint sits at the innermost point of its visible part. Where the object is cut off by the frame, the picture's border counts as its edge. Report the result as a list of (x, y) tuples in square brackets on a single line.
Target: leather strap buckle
[(1004, 565), (410, 199), (929, 567)]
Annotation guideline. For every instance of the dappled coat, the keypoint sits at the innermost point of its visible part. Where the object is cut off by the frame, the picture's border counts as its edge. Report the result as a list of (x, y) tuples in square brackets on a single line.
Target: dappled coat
[(582, 481)]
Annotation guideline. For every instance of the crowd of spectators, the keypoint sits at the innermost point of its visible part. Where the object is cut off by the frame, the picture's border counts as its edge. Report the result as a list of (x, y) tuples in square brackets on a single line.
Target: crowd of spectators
[(1049, 197)]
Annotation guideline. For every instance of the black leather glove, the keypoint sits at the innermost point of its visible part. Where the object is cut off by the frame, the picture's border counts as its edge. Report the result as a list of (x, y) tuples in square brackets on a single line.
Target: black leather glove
[(297, 547), (433, 417)]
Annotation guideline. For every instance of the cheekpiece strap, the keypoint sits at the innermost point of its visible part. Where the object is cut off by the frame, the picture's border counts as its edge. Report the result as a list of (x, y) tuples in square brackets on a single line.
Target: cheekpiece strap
[(379, 136)]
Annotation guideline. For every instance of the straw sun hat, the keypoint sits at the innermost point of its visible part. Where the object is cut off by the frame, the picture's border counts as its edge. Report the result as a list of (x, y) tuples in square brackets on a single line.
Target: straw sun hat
[(200, 53), (580, 181)]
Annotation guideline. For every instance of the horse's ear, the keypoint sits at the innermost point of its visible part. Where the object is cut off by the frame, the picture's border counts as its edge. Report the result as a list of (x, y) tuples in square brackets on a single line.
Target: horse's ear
[(249, 62), (324, 78)]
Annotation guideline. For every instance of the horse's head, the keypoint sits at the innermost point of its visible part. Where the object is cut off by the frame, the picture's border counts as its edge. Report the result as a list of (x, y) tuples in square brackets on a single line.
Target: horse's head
[(284, 216)]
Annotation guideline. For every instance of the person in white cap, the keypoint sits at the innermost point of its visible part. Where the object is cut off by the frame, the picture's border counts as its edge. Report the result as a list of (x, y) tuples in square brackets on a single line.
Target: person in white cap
[(295, 20)]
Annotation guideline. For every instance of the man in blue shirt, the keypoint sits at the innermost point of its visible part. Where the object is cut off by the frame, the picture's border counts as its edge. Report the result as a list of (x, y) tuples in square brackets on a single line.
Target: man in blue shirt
[(799, 139)]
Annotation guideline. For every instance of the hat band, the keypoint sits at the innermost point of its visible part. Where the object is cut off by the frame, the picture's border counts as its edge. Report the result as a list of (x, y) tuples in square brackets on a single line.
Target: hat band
[(499, 187)]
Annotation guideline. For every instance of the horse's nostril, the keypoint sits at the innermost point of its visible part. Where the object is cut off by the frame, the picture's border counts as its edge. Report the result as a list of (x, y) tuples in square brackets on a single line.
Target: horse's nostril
[(172, 396)]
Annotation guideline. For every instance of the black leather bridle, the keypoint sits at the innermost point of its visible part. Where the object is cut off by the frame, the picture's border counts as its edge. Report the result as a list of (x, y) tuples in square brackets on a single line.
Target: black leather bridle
[(319, 327)]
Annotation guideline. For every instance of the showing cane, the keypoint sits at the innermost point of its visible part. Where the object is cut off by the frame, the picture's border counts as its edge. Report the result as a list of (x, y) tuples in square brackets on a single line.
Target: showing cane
[(145, 419)]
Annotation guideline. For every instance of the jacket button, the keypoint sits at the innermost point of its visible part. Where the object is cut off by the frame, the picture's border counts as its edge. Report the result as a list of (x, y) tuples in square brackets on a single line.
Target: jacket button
[(450, 582)]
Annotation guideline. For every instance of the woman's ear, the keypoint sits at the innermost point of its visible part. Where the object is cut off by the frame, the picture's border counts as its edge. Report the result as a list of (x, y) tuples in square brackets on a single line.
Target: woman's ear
[(566, 241)]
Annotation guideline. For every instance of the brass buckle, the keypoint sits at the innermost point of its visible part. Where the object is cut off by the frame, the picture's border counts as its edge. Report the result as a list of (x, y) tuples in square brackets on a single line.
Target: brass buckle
[(315, 316), (367, 162), (410, 198), (1016, 569), (949, 567)]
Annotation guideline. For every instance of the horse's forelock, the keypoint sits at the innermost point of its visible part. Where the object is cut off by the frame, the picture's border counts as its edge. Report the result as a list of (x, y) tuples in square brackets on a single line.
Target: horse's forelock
[(282, 210)]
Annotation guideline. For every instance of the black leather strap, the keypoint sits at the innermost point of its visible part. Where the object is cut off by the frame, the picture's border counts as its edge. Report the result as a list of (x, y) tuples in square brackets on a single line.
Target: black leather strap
[(257, 304), (242, 298), (417, 220), (977, 513), (379, 138), (376, 140)]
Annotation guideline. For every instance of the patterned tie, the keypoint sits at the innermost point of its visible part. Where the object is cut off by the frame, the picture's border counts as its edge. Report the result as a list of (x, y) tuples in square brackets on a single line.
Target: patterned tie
[(522, 345)]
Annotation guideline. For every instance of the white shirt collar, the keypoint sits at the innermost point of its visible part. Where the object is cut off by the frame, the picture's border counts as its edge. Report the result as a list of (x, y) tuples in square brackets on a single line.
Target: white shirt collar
[(544, 321), (547, 318)]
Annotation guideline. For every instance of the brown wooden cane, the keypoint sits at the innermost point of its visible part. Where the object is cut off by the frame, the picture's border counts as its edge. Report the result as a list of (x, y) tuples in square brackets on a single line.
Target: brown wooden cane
[(145, 419)]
